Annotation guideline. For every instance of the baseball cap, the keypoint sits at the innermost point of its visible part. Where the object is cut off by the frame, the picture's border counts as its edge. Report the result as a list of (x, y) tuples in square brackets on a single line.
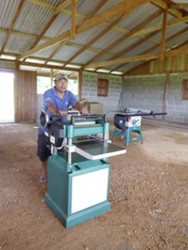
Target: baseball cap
[(61, 76)]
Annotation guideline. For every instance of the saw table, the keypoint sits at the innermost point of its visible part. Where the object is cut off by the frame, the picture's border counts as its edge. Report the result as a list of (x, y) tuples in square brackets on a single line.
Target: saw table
[(128, 122)]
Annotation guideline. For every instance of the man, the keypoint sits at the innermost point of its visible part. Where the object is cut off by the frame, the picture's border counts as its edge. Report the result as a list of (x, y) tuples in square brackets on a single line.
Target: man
[(56, 102)]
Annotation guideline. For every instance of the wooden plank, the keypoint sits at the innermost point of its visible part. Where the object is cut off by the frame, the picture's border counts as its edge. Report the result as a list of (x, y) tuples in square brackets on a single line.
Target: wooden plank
[(25, 96)]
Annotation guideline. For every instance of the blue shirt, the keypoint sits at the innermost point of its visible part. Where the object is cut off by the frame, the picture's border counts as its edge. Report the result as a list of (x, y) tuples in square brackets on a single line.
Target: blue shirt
[(50, 96)]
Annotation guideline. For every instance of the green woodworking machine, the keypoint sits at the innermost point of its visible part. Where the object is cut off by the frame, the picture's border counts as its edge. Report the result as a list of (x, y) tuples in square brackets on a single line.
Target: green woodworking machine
[(78, 168)]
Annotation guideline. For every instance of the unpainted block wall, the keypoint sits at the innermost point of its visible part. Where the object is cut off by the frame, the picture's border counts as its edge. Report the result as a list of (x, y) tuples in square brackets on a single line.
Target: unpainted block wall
[(147, 92), (89, 91)]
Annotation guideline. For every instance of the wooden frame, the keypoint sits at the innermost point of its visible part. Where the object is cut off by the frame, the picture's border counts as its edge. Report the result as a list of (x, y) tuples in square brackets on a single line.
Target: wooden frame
[(185, 89), (102, 87)]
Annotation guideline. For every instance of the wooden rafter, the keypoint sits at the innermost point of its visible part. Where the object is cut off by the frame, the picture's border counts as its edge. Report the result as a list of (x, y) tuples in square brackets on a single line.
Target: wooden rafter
[(164, 5), (163, 38), (139, 58), (123, 7), (42, 3), (156, 46), (179, 6), (124, 37), (64, 42), (172, 22), (12, 25), (103, 32), (140, 31), (73, 20), (62, 6), (182, 45), (131, 47)]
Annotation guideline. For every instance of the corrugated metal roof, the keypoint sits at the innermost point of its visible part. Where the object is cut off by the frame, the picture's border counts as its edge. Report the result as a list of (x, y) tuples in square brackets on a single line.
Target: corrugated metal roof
[(86, 7), (7, 11), (84, 57), (87, 36), (18, 44), (61, 24), (32, 19), (65, 53), (137, 16), (45, 53), (2, 37), (38, 17), (109, 38)]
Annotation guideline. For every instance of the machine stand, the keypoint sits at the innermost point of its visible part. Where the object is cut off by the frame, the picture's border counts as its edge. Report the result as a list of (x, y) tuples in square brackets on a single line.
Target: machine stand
[(127, 134), (79, 217), (80, 194)]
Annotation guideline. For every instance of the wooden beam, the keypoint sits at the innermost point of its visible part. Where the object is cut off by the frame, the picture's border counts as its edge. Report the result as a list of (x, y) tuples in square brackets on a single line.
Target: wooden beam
[(96, 9), (44, 66), (124, 37), (123, 52), (154, 47), (164, 5), (139, 58), (62, 6), (138, 31), (127, 59), (73, 20), (85, 47), (42, 3), (163, 38), (172, 22), (165, 95), (148, 50), (123, 7), (55, 51), (179, 6)]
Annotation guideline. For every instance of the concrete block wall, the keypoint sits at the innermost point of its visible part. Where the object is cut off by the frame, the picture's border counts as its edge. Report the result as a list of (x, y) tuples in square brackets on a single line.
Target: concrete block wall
[(89, 91), (147, 92), (177, 108)]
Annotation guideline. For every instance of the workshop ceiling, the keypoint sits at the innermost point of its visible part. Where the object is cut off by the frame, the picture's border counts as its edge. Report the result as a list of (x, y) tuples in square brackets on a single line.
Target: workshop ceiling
[(109, 36)]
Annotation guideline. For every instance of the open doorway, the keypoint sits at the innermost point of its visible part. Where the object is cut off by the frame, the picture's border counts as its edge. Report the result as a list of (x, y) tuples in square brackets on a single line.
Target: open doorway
[(6, 97)]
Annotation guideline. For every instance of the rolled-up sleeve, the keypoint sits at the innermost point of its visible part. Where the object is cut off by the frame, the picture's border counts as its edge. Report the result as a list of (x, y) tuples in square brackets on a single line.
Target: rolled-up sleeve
[(72, 99), (47, 99)]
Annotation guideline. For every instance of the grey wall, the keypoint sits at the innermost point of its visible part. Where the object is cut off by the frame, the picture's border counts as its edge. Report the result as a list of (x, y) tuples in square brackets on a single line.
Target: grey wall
[(146, 92), (89, 91)]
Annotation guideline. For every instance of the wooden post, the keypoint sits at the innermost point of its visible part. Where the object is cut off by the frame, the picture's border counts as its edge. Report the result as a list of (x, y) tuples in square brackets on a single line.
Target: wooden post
[(165, 96), (80, 74)]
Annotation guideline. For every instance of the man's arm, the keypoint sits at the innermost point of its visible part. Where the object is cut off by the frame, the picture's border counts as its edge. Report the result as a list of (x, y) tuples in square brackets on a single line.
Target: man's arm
[(81, 107), (52, 108)]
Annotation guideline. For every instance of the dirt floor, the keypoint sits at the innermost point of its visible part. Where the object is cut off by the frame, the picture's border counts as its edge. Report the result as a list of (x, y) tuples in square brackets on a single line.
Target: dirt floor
[(148, 194)]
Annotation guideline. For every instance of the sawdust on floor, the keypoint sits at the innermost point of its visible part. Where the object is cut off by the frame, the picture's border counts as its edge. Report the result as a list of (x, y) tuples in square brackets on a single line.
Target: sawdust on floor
[(148, 195)]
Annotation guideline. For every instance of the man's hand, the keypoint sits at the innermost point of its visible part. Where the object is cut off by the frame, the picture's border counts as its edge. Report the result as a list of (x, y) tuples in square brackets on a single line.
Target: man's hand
[(62, 112), (84, 110)]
